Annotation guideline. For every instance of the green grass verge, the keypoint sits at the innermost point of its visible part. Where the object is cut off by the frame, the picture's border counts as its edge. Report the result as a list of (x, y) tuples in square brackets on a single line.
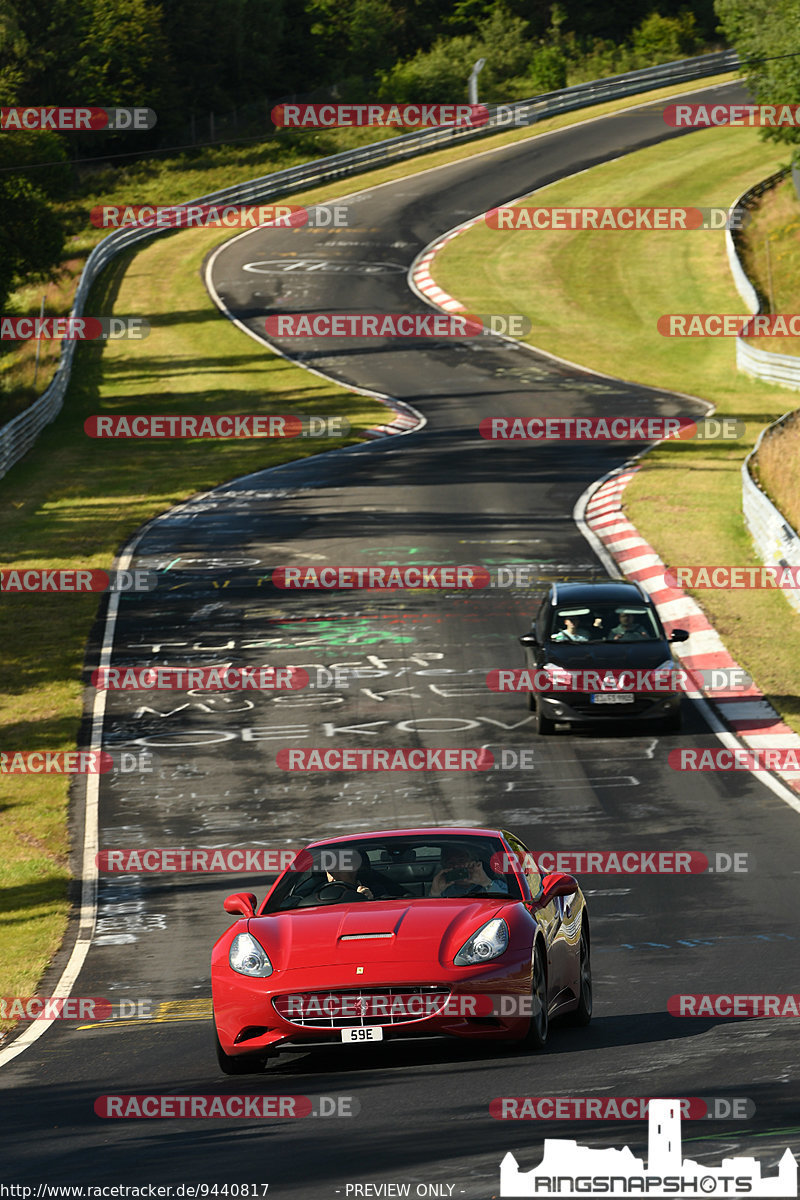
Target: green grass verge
[(596, 299), (770, 257), (73, 502)]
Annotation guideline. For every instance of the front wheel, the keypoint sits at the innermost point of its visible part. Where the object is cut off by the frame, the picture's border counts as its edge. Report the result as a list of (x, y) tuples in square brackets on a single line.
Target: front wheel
[(672, 723), (536, 1038), (243, 1064), (544, 725), (582, 1015)]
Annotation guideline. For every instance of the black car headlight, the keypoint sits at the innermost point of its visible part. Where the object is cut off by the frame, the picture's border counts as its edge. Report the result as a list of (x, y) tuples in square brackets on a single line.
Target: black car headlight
[(248, 957), (488, 942)]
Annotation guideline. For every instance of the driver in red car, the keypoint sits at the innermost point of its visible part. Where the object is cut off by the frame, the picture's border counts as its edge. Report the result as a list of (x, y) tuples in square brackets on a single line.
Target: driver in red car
[(461, 871), (350, 875)]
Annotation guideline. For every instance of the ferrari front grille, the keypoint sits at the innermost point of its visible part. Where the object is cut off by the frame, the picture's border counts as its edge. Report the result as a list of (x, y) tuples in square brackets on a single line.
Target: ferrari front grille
[(362, 1006)]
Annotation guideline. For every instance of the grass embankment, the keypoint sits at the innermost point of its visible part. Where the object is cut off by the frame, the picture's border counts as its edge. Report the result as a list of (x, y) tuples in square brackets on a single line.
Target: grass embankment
[(72, 502), (598, 301), (771, 256)]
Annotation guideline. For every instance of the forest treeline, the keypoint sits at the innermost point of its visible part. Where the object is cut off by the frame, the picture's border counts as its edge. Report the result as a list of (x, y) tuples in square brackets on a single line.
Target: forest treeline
[(237, 58)]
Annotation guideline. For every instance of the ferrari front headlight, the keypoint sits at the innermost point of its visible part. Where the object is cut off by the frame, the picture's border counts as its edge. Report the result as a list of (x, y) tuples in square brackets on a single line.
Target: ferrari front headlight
[(248, 957), (488, 942)]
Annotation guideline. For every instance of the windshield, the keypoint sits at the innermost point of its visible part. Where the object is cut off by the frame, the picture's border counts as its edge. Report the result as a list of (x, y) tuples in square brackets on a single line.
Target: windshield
[(407, 868), (604, 623)]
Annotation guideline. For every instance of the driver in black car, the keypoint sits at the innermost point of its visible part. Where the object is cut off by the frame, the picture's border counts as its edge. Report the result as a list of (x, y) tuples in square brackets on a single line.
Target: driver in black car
[(462, 872)]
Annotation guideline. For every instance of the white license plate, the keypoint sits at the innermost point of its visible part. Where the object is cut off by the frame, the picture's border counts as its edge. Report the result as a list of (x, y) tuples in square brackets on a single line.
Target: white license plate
[(363, 1033), (613, 698)]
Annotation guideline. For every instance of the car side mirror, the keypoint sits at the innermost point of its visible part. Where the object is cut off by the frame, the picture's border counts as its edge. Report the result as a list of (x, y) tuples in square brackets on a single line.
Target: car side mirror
[(242, 904), (529, 639), (679, 635), (558, 884)]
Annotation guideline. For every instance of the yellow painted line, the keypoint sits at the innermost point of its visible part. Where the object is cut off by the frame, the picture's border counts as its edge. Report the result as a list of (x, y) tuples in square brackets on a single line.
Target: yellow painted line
[(167, 1011)]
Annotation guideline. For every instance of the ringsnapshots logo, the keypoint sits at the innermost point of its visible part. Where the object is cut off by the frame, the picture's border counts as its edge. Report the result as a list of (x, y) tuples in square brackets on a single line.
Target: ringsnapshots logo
[(222, 427), (21, 579), (394, 116), (76, 120), (610, 429), (396, 325), (570, 1170), (73, 329), (636, 218)]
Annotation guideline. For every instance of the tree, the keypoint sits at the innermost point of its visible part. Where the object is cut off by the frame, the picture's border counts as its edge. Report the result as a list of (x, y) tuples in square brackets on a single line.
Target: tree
[(767, 30), (436, 75), (31, 236), (662, 39)]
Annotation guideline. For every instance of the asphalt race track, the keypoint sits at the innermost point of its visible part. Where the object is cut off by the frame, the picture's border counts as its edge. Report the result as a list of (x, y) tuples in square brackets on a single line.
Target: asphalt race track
[(440, 495)]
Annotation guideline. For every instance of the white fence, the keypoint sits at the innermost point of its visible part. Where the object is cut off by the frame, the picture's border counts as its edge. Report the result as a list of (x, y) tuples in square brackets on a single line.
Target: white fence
[(783, 369), (19, 434), (775, 540)]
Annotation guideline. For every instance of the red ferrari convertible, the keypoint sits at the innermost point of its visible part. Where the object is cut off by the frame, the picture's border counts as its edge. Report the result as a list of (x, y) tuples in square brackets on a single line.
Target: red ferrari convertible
[(407, 933)]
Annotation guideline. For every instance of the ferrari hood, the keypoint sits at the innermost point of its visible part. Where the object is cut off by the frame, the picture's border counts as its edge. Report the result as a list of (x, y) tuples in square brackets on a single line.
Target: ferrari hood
[(377, 931)]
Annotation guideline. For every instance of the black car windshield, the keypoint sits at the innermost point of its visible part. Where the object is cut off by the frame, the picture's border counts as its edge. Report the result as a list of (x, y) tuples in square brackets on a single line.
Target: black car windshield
[(604, 623), (408, 868)]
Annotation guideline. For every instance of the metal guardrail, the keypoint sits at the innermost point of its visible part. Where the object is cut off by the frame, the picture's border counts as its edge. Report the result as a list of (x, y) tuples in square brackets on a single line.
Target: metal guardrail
[(783, 369), (19, 434), (775, 541)]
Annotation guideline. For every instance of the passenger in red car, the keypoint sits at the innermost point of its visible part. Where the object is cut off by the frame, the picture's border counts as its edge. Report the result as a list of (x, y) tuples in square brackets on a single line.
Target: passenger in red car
[(461, 870)]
